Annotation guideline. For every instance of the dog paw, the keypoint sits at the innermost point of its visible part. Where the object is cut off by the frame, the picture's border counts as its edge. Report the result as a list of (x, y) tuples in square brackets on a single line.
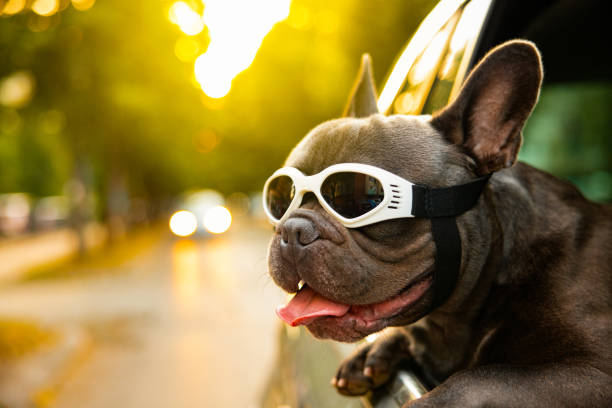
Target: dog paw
[(371, 365)]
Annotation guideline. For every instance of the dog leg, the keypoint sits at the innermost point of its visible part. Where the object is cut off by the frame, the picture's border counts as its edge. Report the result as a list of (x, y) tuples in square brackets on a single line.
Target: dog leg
[(551, 385), (372, 364)]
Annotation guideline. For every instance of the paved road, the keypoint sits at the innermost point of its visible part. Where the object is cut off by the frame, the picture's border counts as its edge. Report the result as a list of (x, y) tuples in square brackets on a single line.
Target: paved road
[(190, 323)]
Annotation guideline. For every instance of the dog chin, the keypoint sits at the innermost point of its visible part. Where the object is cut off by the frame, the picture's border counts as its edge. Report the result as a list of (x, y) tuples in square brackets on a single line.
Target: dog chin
[(346, 330)]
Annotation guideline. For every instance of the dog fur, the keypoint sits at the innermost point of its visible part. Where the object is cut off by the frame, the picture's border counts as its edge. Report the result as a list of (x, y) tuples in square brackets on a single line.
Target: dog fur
[(530, 320)]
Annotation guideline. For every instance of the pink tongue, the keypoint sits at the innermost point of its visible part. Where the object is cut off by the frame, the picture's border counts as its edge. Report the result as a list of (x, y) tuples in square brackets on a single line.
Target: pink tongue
[(307, 305)]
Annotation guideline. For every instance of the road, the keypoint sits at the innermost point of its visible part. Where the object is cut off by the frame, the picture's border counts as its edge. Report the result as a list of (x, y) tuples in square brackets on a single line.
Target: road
[(188, 323)]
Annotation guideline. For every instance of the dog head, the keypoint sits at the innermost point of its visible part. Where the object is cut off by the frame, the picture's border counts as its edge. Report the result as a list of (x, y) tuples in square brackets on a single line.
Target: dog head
[(360, 280)]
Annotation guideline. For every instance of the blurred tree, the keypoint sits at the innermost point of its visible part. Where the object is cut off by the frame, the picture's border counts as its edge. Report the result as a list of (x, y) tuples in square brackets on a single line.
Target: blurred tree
[(110, 96), (568, 135)]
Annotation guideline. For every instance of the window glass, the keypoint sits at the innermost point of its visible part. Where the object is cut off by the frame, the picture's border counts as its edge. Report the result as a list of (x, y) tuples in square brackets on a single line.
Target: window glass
[(455, 62), (423, 72), (436, 75)]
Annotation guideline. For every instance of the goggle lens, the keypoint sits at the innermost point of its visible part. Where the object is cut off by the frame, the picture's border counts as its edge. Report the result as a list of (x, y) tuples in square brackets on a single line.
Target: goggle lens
[(352, 194), (279, 196)]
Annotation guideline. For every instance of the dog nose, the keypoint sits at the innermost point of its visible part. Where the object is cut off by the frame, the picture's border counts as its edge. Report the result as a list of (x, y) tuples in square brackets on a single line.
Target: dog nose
[(299, 231)]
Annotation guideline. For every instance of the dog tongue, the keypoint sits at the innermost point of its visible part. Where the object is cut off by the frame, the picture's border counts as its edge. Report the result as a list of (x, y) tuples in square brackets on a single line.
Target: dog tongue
[(307, 305)]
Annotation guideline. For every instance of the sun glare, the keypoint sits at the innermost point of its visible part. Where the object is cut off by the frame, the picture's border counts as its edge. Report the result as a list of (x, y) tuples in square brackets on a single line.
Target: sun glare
[(236, 29), (186, 18)]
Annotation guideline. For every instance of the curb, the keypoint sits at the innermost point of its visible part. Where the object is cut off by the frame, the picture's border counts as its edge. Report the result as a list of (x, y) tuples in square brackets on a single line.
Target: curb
[(35, 380)]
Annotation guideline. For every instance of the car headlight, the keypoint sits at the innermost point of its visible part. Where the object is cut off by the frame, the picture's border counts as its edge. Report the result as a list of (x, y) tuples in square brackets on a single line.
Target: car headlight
[(217, 220), (183, 223)]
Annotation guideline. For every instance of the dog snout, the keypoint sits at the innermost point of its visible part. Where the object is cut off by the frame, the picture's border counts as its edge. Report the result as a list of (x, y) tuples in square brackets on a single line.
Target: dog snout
[(299, 232)]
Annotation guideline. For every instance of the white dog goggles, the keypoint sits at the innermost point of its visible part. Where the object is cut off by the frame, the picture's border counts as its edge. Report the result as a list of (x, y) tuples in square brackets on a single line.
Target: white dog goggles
[(359, 194)]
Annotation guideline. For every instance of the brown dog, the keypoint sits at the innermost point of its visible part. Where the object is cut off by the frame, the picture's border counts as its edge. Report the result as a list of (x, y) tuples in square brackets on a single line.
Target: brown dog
[(529, 321)]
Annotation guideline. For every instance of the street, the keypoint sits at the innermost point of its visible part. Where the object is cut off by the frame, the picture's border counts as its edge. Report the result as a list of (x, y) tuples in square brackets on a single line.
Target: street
[(187, 323)]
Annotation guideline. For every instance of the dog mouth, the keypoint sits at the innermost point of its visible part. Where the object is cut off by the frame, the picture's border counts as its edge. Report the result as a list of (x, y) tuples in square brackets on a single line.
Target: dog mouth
[(308, 306)]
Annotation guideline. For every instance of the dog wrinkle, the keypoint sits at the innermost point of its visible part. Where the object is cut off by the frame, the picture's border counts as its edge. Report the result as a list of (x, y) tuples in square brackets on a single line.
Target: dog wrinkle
[(343, 274), (329, 275), (383, 253)]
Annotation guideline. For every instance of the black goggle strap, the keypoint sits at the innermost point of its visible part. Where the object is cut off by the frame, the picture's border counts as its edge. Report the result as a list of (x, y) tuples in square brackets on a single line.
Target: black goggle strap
[(442, 205)]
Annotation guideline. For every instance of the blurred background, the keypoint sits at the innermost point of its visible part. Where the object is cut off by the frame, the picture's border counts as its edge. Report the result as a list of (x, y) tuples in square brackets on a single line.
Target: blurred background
[(135, 137)]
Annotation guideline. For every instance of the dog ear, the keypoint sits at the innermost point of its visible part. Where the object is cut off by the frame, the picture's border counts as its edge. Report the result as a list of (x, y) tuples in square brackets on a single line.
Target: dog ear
[(362, 102), (491, 109)]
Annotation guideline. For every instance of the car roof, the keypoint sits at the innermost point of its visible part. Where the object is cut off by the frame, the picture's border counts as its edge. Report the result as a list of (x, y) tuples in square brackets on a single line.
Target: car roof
[(569, 33)]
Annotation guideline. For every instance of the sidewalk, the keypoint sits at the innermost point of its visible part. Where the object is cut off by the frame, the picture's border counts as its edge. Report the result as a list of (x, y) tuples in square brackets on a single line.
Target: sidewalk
[(18, 255)]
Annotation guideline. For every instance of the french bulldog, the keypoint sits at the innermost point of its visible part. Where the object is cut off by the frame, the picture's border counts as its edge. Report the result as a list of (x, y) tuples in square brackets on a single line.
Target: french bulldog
[(529, 320)]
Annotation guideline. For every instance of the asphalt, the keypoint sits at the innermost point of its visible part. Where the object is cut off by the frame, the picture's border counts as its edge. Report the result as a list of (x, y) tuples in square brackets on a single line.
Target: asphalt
[(187, 323)]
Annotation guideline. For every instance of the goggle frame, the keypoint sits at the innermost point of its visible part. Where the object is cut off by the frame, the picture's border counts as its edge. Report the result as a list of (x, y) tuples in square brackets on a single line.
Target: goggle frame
[(396, 202)]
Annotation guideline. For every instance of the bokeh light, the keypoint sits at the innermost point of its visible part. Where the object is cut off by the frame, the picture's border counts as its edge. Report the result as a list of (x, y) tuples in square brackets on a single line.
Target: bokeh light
[(186, 18), (16, 89), (236, 29), (206, 140), (183, 223), (10, 121), (13, 6), (217, 220), (186, 49), (45, 7), (83, 5)]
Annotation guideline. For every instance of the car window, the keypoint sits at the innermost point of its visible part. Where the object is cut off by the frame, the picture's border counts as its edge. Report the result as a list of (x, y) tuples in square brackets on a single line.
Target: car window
[(423, 72), (436, 74), (456, 61), (428, 34)]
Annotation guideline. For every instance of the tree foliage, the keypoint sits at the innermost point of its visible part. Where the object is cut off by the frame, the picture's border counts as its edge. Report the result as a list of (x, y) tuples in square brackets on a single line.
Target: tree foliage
[(110, 98)]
